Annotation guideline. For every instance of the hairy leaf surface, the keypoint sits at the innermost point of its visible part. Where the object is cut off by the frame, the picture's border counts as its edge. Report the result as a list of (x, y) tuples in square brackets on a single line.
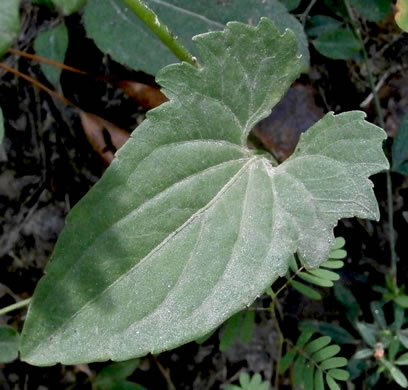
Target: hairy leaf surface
[(188, 225), (114, 27)]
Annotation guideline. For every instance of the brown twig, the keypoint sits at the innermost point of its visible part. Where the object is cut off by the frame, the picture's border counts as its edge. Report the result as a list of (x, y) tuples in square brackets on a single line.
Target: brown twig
[(47, 61), (37, 84)]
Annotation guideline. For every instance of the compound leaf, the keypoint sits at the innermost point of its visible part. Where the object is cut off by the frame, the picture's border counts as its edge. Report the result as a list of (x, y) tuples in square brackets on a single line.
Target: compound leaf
[(188, 226), (9, 23), (114, 27)]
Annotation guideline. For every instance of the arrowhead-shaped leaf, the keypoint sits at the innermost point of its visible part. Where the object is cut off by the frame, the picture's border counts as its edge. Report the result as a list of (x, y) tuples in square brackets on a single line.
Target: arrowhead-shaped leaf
[(188, 225)]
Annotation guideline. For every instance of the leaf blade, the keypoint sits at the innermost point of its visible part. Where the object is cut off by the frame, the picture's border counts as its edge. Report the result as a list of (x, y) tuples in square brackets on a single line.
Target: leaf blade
[(142, 275)]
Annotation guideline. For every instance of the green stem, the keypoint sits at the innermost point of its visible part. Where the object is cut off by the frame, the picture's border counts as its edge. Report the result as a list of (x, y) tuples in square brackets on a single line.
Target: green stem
[(305, 14), (161, 30), (15, 306), (390, 206)]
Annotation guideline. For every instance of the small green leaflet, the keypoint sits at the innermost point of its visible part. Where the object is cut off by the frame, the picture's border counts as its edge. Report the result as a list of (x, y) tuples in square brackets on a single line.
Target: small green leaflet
[(8, 344), (188, 226), (52, 44), (9, 23), (68, 7), (338, 44), (114, 27)]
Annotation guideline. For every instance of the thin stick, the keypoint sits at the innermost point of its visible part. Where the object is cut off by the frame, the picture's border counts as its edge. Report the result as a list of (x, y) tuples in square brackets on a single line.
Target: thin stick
[(164, 372), (161, 30), (36, 83), (47, 61), (390, 206), (15, 306)]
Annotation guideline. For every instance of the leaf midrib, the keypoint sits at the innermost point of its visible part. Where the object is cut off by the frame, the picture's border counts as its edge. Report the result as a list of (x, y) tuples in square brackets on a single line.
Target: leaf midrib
[(155, 249)]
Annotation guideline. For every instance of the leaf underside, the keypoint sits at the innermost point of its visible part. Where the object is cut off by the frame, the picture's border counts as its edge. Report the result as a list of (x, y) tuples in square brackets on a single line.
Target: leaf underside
[(188, 225)]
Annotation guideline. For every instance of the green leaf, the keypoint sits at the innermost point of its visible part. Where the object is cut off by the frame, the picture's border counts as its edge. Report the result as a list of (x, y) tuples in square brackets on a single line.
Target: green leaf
[(231, 332), (340, 242), (324, 274), (48, 3), (401, 16), (239, 326), (52, 44), (333, 264), (317, 344), (378, 314), (396, 373), (319, 381), (322, 24), (368, 333), (68, 7), (1, 126), (332, 383), (403, 337), (363, 354), (9, 339), (337, 333), (157, 253), (334, 362), (400, 149), (125, 385), (308, 374), (247, 327), (287, 361), (326, 353), (114, 28), (393, 348), (114, 373), (306, 276), (402, 360), (304, 337), (291, 4), (340, 375), (373, 10), (340, 44), (9, 23), (399, 318), (402, 300), (244, 379), (306, 290), (299, 370), (338, 254), (347, 299)]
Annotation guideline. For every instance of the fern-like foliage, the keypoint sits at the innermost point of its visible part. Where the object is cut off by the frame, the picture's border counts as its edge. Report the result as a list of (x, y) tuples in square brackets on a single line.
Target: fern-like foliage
[(315, 363), (246, 382), (324, 276)]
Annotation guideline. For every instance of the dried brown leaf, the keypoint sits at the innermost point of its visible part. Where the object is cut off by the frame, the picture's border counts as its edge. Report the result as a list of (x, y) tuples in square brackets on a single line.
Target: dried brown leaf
[(104, 136)]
